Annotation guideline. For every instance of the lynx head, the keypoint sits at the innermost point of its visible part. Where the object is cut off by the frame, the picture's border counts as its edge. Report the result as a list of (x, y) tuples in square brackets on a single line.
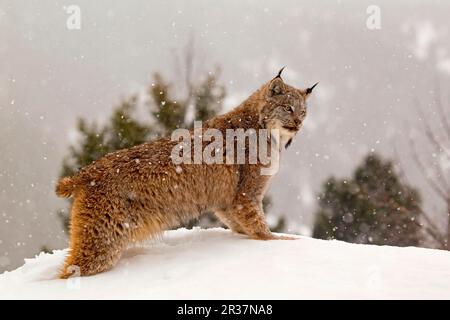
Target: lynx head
[(284, 108)]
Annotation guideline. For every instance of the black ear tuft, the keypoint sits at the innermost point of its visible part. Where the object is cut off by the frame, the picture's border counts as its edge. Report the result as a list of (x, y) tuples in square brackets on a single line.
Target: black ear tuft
[(279, 72), (309, 90), (288, 143)]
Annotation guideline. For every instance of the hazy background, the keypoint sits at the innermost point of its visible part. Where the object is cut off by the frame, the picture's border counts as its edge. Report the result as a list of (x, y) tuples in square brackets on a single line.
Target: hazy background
[(369, 80)]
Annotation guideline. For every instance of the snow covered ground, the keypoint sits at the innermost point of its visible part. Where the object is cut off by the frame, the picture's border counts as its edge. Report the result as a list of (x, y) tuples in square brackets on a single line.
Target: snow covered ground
[(217, 264)]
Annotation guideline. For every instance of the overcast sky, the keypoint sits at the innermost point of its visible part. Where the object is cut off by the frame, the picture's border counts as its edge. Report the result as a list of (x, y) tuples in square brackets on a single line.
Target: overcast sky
[(369, 81)]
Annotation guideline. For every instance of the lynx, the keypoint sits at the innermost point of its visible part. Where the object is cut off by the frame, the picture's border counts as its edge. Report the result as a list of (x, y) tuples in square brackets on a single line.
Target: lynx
[(135, 194)]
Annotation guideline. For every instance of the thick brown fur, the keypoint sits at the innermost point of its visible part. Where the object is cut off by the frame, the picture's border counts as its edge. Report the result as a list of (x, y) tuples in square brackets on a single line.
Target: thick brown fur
[(137, 193)]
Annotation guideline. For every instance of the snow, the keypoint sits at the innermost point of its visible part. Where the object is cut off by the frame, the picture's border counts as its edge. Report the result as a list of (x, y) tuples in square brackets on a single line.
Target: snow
[(425, 37), (218, 264)]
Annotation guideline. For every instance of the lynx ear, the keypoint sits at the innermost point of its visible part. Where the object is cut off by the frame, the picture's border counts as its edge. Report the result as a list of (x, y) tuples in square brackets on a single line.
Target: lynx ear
[(276, 87)]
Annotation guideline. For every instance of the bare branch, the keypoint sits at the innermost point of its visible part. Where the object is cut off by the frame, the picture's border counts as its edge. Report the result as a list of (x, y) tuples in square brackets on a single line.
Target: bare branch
[(422, 169), (432, 229), (404, 177), (445, 121), (440, 176), (430, 134), (189, 67), (433, 234)]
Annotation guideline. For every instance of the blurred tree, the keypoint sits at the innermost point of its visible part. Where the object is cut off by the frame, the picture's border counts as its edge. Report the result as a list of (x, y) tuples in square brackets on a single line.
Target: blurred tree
[(91, 147), (208, 97), (373, 206), (169, 113), (204, 97), (124, 131)]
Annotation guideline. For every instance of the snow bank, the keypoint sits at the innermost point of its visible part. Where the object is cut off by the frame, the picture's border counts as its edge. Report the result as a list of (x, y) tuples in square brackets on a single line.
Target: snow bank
[(217, 264)]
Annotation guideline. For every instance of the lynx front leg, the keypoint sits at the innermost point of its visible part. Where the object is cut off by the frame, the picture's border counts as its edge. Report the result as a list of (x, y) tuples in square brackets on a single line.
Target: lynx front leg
[(251, 218), (226, 216), (247, 210), (253, 222), (248, 220), (239, 220)]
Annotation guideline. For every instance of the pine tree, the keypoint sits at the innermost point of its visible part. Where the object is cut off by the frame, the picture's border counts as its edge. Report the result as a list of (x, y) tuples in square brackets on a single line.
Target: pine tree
[(124, 131), (169, 113), (208, 97), (374, 206)]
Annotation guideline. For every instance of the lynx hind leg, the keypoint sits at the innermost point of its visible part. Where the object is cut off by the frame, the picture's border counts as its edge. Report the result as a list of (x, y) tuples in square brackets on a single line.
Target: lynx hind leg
[(88, 259), (96, 244)]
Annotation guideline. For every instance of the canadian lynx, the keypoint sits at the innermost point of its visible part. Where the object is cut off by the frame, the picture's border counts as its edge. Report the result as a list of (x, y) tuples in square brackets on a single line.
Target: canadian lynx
[(137, 193)]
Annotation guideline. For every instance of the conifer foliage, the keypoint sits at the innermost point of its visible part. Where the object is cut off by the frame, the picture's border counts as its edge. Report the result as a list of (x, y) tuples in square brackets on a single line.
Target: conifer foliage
[(373, 206)]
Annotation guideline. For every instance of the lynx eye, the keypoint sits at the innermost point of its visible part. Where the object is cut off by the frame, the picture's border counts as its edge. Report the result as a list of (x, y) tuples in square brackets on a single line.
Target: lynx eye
[(288, 108)]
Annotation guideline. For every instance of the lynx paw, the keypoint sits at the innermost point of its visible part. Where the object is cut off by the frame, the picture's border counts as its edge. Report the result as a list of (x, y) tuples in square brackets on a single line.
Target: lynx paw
[(272, 236), (284, 238)]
